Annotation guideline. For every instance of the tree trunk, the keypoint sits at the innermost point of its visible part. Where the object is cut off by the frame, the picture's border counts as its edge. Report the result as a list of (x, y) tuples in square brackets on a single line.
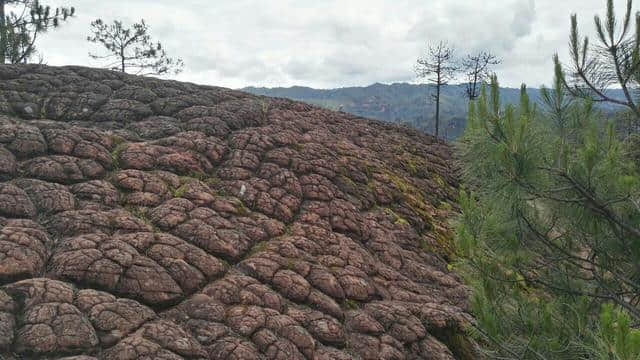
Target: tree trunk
[(437, 108), (475, 84), (3, 33), (122, 57)]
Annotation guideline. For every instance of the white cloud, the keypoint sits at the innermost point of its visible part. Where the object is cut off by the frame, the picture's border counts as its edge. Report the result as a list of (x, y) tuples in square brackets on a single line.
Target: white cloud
[(524, 13), (331, 43)]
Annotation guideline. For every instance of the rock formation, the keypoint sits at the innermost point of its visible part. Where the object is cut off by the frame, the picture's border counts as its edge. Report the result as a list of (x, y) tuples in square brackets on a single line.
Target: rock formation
[(151, 219)]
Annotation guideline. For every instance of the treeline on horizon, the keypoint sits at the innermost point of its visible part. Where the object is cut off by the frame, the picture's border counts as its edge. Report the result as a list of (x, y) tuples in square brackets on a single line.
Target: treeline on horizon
[(404, 103)]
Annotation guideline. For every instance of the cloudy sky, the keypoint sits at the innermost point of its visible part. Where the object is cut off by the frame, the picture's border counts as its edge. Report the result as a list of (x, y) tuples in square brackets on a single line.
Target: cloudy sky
[(331, 43)]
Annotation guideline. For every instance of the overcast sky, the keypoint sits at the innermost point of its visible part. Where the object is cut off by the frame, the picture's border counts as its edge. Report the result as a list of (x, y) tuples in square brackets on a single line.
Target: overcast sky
[(331, 43)]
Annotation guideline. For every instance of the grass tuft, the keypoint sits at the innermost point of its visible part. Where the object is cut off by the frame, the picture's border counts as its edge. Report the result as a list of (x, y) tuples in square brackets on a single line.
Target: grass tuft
[(350, 304), (240, 207), (179, 192), (115, 154)]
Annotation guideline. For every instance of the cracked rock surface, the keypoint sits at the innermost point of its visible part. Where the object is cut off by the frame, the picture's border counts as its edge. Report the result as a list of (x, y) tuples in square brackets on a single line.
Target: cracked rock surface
[(151, 219)]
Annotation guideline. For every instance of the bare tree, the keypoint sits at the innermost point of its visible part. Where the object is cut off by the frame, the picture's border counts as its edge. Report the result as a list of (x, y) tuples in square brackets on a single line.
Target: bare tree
[(477, 68), (438, 66), (132, 49)]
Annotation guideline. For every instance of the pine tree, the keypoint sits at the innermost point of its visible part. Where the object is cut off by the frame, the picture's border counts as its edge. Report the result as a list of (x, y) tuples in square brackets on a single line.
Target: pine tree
[(549, 236), (550, 232), (19, 29), (614, 62), (131, 49)]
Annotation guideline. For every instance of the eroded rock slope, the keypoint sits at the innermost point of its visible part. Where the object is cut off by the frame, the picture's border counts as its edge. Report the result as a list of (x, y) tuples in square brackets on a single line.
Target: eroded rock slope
[(149, 219)]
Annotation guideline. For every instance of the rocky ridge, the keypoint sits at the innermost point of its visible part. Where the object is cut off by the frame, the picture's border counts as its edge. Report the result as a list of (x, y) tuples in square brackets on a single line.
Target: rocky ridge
[(151, 219)]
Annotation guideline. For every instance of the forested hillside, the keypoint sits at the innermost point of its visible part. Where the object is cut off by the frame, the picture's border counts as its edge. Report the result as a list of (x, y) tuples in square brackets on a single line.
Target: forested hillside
[(399, 103)]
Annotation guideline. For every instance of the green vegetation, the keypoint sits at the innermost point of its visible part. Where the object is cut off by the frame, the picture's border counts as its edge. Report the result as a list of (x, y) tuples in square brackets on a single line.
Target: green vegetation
[(411, 163), (180, 191), (131, 49), (397, 103), (351, 304), (405, 103), (19, 29), (291, 263), (550, 232), (347, 180), (140, 212), (397, 219), (412, 196), (199, 175), (119, 147), (258, 248), (549, 235), (265, 106), (240, 207), (213, 182)]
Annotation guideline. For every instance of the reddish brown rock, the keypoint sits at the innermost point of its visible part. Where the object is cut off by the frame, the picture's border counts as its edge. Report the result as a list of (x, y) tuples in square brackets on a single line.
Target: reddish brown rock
[(49, 322), (141, 188), (63, 169), (148, 156), (81, 143), (7, 321), (116, 221), (23, 140), (15, 202), (155, 127), (157, 340), (147, 219), (112, 318), (245, 290), (54, 327), (123, 110), (208, 229), (97, 191), (24, 250), (48, 197), (114, 265), (7, 163)]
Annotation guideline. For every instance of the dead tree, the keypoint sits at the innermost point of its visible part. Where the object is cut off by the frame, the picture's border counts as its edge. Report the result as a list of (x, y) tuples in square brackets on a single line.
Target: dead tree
[(477, 68), (438, 67)]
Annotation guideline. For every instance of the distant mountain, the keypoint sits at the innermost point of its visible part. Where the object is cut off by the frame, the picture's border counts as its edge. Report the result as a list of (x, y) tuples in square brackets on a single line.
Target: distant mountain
[(400, 102)]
